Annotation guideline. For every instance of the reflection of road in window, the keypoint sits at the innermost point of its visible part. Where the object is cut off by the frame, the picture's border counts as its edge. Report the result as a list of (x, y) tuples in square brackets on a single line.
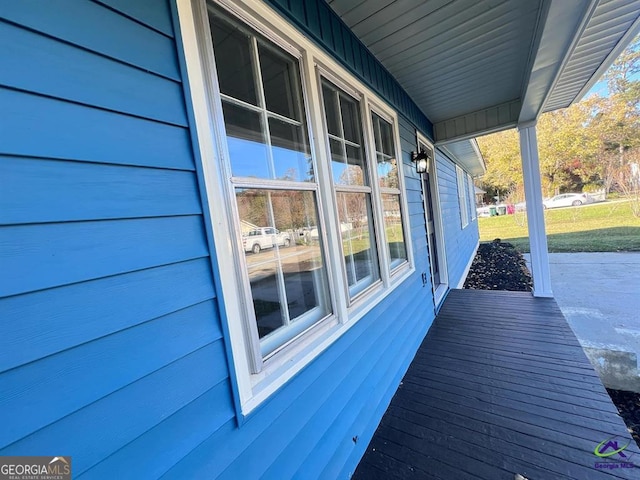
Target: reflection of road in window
[(273, 180), (351, 184), (293, 259)]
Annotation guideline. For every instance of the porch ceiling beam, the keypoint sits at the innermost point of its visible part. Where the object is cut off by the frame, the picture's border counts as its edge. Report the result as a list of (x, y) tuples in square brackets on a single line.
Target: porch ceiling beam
[(467, 155), (558, 30), (562, 27), (625, 40), (470, 125)]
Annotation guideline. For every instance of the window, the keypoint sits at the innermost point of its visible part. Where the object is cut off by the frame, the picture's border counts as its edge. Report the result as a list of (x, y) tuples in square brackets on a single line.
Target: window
[(472, 197), (273, 183), (304, 189), (462, 197), (350, 175), (390, 189)]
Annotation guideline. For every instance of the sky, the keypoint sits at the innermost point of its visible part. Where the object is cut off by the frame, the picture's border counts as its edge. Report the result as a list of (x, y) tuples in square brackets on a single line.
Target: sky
[(601, 88)]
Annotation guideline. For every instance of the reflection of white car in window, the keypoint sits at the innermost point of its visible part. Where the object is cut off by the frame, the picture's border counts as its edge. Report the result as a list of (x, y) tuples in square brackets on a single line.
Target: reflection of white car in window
[(264, 237)]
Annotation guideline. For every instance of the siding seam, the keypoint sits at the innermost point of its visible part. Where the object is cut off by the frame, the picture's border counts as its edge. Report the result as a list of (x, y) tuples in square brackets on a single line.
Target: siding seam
[(91, 51), (96, 107), (133, 19), (116, 391), (115, 332)]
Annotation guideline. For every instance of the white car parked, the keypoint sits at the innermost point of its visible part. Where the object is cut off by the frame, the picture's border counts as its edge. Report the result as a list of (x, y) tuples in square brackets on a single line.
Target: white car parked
[(264, 237), (567, 200)]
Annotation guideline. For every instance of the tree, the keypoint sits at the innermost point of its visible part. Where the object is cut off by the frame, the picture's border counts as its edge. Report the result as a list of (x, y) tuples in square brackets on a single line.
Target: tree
[(622, 78), (617, 121), (566, 147), (501, 152), (591, 143)]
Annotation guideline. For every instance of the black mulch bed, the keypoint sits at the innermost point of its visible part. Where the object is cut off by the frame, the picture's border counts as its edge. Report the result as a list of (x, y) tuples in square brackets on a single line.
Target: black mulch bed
[(499, 266), (628, 404)]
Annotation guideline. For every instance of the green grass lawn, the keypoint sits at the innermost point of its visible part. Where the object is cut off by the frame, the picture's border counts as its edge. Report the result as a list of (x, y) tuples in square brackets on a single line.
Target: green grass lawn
[(606, 227)]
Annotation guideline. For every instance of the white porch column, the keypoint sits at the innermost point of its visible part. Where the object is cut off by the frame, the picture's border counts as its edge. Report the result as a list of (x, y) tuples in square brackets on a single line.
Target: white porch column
[(535, 211)]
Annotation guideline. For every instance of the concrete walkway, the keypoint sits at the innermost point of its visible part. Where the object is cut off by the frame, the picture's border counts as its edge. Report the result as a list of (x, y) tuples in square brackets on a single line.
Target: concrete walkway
[(599, 294)]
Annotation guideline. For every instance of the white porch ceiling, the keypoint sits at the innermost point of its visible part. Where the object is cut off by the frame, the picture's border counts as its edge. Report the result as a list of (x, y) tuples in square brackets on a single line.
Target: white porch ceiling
[(477, 66)]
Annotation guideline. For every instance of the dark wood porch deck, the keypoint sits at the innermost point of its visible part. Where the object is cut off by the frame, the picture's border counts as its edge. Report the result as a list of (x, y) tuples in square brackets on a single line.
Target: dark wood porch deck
[(500, 386)]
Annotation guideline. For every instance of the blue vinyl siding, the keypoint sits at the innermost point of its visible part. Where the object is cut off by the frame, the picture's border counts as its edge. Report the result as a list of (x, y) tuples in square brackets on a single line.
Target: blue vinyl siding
[(71, 75), (37, 190), (112, 334), (103, 31), (110, 331), (460, 242), (357, 374)]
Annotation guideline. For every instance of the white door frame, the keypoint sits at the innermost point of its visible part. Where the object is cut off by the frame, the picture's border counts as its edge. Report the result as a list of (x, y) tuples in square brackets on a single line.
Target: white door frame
[(439, 290)]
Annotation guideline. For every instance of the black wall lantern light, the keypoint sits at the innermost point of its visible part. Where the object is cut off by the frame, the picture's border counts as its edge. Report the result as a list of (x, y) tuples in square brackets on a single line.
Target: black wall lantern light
[(421, 159)]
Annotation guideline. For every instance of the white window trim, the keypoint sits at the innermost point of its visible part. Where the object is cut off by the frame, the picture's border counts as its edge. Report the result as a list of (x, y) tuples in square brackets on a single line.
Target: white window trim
[(441, 290), (463, 203), (372, 106), (336, 245), (253, 389), (472, 198), (369, 103)]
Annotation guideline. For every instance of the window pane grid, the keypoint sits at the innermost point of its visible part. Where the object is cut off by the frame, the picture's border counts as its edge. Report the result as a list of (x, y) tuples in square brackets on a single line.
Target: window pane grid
[(388, 181), (277, 201), (342, 140), (387, 166), (356, 223), (284, 260), (352, 187), (344, 125), (263, 112), (394, 229), (462, 196), (472, 197), (273, 182), (248, 106), (276, 147)]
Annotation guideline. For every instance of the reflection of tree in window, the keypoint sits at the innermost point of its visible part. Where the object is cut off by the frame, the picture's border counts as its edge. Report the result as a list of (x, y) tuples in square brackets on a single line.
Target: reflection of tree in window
[(273, 182), (352, 187), (389, 188)]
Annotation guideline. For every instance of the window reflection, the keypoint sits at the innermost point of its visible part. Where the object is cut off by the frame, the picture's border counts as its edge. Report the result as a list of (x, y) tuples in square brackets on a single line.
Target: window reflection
[(291, 155), (281, 85), (233, 50), (246, 141), (393, 228), (354, 212), (262, 105), (267, 139), (352, 186), (385, 156), (390, 188), (282, 246), (345, 140)]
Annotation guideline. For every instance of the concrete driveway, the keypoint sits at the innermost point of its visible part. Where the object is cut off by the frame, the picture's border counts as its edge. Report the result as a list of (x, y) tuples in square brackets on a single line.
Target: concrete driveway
[(599, 294)]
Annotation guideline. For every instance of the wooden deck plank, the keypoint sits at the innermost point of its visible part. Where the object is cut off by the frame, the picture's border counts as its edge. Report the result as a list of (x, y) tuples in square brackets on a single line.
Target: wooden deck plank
[(562, 402), (582, 385), (489, 357), (499, 386), (507, 438)]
